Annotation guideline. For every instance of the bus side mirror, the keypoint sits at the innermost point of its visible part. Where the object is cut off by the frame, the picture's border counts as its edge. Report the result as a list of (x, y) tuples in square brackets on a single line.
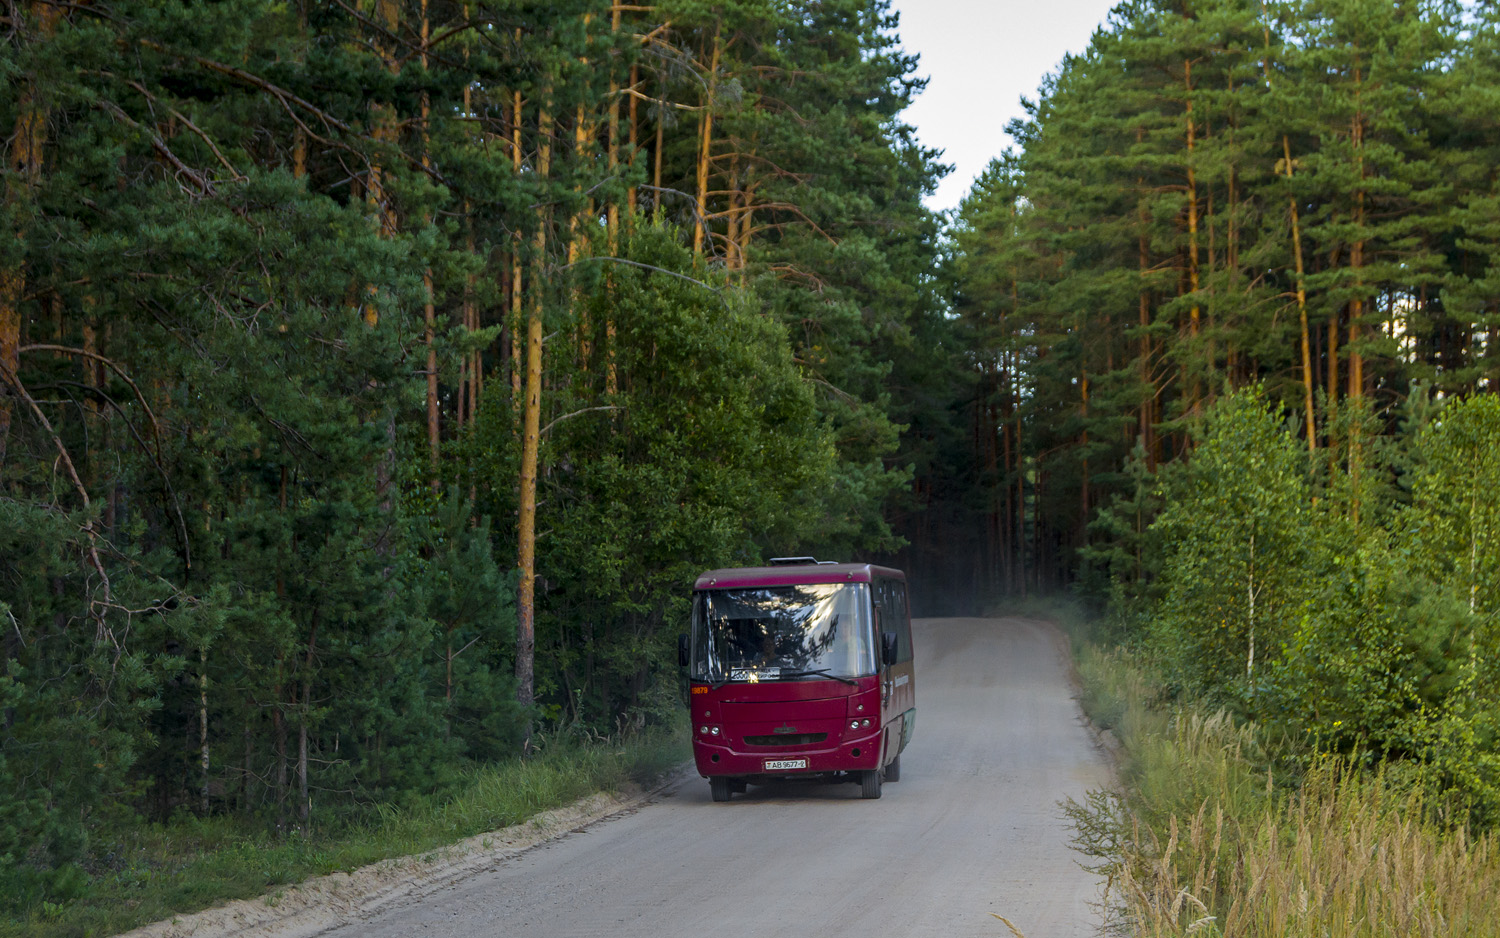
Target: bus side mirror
[(683, 651), (888, 648)]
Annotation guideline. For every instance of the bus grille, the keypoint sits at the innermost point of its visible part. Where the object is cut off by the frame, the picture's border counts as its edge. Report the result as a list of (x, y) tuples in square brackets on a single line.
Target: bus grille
[(790, 739)]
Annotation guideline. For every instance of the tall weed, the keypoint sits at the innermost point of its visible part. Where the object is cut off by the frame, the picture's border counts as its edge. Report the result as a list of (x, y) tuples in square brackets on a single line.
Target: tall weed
[(1206, 842)]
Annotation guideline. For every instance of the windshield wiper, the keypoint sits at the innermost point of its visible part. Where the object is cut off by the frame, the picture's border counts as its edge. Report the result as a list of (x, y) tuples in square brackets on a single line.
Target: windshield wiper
[(816, 672), (819, 672)]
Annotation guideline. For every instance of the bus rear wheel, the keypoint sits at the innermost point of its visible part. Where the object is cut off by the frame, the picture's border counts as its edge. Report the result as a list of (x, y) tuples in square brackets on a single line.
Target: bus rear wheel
[(869, 783), (718, 787)]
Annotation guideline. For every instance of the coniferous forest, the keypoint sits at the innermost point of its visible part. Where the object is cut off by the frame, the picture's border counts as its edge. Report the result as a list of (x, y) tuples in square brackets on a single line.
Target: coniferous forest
[(1237, 324), (378, 375), (375, 375)]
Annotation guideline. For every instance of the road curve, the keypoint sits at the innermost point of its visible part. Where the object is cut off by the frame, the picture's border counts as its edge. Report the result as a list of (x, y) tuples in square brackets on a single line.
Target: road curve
[(973, 828)]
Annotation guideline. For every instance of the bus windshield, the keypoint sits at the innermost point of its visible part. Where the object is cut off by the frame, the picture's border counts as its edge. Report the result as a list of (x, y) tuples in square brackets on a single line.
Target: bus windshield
[(775, 633)]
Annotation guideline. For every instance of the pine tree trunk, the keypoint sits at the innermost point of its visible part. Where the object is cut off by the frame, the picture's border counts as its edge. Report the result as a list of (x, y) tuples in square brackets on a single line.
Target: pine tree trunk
[(429, 308), (1332, 392), (1301, 283), (612, 145), (632, 195), (656, 152), (530, 445), (1148, 384), (1021, 571), (516, 304), (612, 223), (731, 219), (474, 361), (1004, 507), (384, 129), (304, 800), (25, 164), (1357, 251), (583, 142), (747, 220), (203, 762), (1194, 278), (248, 772), (1307, 369), (705, 148), (1083, 496), (470, 364), (278, 738)]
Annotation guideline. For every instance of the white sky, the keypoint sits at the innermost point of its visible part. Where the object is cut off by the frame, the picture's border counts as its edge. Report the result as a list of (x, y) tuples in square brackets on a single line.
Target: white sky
[(980, 57)]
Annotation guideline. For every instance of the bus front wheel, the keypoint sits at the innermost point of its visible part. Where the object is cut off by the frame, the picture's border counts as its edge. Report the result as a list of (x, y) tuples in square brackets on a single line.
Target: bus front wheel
[(718, 786), (869, 783), (893, 771)]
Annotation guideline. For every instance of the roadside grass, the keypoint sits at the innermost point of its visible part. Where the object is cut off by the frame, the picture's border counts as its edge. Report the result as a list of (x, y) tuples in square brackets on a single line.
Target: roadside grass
[(1205, 841), (156, 871)]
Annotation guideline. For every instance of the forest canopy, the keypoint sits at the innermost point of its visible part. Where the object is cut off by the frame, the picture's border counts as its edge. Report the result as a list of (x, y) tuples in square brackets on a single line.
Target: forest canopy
[(1234, 309), (375, 377)]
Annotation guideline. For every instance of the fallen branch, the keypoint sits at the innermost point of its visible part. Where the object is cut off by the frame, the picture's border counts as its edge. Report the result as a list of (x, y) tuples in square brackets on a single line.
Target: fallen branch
[(102, 630), (236, 175), (204, 185), (660, 270), (575, 414), (67, 350)]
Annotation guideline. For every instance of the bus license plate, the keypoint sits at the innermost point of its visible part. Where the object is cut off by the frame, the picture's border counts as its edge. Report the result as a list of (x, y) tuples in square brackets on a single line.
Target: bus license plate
[(781, 765)]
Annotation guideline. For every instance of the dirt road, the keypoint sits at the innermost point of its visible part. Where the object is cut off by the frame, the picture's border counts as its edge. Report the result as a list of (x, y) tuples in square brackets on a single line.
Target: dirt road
[(972, 829)]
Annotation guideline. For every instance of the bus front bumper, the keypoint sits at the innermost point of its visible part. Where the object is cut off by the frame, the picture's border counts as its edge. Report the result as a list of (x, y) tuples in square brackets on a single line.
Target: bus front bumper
[(851, 754)]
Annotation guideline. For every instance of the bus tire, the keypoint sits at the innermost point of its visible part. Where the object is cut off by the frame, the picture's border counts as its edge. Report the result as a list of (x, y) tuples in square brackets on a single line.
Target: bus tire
[(718, 787), (893, 771), (869, 783)]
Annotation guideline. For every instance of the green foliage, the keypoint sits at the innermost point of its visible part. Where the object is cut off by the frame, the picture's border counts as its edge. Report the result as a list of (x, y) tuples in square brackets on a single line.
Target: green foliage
[(1229, 308), (1123, 566), (708, 451), (1451, 527), (1340, 624), (1184, 192), (1454, 516), (1206, 839), (1238, 550), (252, 563), (155, 871)]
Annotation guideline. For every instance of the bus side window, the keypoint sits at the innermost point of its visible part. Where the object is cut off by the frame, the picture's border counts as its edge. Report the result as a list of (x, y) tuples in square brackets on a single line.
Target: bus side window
[(890, 610), (902, 620)]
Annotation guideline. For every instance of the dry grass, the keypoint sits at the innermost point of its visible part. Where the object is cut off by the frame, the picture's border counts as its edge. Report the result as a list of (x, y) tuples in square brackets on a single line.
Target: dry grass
[(1342, 858), (1204, 846)]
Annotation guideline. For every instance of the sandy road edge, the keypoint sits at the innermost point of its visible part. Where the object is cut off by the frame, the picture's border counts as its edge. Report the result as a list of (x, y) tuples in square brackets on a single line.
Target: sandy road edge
[(1105, 739), (325, 902)]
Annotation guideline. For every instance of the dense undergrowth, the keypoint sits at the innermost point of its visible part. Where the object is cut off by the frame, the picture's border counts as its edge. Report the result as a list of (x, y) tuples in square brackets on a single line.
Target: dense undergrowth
[(149, 873), (1213, 835)]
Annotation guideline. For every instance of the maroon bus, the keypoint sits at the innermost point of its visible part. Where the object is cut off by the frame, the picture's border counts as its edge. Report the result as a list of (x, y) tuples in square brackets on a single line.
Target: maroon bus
[(798, 669)]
